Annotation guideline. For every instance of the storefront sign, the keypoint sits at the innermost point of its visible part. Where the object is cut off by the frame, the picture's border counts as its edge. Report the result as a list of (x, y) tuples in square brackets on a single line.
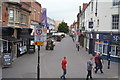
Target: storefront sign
[(114, 37), (6, 59)]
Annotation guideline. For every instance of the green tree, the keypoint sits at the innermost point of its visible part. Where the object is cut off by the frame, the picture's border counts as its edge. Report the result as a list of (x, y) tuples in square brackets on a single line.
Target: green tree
[(63, 27)]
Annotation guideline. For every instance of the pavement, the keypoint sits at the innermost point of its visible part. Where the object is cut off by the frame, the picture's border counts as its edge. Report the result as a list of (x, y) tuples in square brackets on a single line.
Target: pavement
[(50, 63)]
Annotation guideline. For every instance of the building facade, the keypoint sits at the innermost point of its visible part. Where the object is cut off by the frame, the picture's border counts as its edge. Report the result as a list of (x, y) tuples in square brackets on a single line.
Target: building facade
[(101, 33), (16, 25)]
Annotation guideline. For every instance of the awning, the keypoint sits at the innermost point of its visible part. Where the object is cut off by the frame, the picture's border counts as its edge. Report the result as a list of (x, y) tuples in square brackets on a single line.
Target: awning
[(27, 36), (10, 39)]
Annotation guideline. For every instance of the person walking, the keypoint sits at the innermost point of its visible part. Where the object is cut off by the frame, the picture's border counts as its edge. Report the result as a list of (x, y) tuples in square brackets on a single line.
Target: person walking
[(78, 45), (89, 68), (73, 38), (96, 61), (100, 63), (64, 64)]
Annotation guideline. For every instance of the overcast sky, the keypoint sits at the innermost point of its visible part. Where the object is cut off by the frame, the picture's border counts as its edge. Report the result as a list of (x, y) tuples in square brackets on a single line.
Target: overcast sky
[(62, 9)]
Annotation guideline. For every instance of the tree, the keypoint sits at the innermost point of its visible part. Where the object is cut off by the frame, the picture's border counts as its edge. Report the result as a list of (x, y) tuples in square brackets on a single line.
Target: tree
[(63, 27)]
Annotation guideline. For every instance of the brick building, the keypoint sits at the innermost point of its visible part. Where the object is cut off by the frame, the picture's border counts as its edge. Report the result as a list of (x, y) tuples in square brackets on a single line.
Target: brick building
[(16, 24)]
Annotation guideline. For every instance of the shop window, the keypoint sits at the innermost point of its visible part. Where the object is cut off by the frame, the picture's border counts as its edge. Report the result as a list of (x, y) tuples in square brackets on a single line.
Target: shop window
[(118, 51), (100, 47), (105, 49), (96, 47), (11, 15), (113, 50), (115, 21)]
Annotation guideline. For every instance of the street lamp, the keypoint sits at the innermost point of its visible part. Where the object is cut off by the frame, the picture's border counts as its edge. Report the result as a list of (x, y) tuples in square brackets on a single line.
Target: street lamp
[(109, 49)]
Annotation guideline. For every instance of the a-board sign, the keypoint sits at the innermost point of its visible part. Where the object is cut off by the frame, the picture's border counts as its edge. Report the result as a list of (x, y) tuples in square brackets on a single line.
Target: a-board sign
[(31, 48), (6, 59)]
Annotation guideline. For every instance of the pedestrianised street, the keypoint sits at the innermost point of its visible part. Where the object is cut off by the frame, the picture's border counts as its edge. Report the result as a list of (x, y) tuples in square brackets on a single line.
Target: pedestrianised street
[(50, 63)]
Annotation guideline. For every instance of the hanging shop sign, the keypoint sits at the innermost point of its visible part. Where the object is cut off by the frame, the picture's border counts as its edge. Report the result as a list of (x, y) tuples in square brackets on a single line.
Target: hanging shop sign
[(91, 24)]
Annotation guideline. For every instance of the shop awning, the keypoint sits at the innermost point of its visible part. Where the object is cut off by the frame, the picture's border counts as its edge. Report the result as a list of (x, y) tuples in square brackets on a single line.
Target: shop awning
[(10, 39), (27, 36)]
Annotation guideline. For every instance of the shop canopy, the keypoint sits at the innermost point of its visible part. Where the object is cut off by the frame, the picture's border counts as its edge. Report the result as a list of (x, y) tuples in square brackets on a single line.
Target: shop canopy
[(10, 39)]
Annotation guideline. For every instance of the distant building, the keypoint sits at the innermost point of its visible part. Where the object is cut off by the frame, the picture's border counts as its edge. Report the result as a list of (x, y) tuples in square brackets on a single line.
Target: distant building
[(57, 22), (51, 23)]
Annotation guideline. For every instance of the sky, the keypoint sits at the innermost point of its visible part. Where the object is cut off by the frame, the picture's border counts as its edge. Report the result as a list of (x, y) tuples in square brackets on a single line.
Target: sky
[(62, 9)]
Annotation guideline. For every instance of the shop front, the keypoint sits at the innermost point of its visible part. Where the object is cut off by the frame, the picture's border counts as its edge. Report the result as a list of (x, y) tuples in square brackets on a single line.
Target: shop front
[(25, 35), (102, 45), (8, 41)]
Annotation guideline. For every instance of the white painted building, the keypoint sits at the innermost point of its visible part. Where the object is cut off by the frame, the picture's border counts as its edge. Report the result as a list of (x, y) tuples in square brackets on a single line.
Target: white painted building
[(101, 20), (106, 12)]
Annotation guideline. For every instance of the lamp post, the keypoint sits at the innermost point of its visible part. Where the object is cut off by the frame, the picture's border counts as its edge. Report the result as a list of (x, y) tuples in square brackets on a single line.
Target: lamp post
[(109, 49), (38, 65)]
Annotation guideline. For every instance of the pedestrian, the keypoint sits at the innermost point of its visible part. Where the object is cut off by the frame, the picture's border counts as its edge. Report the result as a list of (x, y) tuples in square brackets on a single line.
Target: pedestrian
[(64, 64), (89, 68), (72, 37), (78, 45), (100, 63), (109, 60), (96, 61)]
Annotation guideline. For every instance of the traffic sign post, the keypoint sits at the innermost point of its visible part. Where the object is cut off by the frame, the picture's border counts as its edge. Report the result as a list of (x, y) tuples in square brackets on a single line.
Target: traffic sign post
[(39, 35), (39, 41)]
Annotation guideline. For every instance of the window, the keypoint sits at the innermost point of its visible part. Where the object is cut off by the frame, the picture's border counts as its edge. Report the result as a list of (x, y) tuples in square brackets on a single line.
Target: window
[(17, 16), (116, 2), (92, 6), (105, 49), (96, 47), (0, 13), (11, 15), (23, 18), (115, 21), (98, 22)]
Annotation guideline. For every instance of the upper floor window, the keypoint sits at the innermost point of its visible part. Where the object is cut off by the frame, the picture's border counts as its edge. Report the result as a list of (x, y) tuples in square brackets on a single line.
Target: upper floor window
[(98, 22), (92, 6), (115, 21), (23, 18), (17, 16), (116, 2), (11, 15), (0, 13)]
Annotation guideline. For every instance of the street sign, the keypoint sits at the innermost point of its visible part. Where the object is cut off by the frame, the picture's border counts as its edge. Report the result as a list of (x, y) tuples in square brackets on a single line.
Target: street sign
[(38, 31), (39, 35)]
